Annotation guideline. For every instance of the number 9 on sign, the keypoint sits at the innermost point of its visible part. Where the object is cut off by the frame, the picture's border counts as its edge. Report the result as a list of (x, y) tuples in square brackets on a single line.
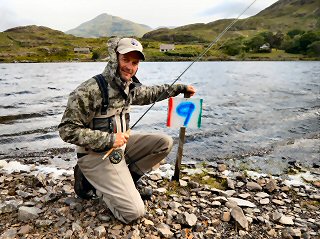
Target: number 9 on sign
[(184, 112)]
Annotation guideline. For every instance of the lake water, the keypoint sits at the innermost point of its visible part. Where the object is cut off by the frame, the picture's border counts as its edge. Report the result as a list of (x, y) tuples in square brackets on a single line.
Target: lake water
[(259, 115)]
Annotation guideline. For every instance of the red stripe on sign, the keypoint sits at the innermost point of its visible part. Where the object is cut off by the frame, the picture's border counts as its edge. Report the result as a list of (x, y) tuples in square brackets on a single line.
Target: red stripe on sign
[(170, 106)]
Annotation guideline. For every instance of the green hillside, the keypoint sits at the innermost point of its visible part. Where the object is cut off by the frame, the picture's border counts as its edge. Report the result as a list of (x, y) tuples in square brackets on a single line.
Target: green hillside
[(39, 44), (283, 15), (289, 29), (106, 25)]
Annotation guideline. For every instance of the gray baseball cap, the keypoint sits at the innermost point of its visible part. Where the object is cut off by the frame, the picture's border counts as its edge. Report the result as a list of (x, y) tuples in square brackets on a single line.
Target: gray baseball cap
[(126, 45)]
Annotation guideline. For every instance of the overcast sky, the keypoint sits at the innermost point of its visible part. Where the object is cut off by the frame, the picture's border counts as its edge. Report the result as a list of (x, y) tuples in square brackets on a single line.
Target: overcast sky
[(64, 15)]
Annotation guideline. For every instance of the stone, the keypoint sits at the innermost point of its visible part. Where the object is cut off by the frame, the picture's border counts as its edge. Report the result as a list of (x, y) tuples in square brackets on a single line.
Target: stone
[(230, 183), (9, 234), (264, 201), (286, 220), (100, 231), (10, 206), (25, 229), (238, 215), (241, 202), (278, 202), (271, 185), (183, 183), (276, 216), (155, 177), (28, 213), (164, 230), (252, 186), (225, 216), (222, 167), (187, 219), (76, 227), (244, 195), (262, 195)]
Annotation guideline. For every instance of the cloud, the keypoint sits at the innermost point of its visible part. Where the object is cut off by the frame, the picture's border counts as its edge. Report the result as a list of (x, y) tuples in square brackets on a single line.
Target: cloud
[(233, 8), (9, 18)]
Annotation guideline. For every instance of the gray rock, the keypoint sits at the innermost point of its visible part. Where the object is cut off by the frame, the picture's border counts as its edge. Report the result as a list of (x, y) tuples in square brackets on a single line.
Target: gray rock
[(28, 213), (230, 183), (100, 231), (286, 220), (164, 230), (9, 234), (252, 186), (187, 219), (276, 216), (241, 202), (76, 227), (264, 201), (10, 206), (238, 215)]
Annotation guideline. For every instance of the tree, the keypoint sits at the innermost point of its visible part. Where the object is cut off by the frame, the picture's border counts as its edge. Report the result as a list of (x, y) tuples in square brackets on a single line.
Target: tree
[(233, 47), (295, 32), (314, 49), (308, 38), (255, 42), (95, 55)]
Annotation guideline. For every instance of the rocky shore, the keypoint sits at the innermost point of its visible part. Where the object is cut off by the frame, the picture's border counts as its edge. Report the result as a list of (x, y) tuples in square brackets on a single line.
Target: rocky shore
[(209, 201)]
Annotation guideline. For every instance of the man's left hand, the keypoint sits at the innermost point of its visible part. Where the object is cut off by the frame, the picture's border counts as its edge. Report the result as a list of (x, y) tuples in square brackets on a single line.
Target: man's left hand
[(191, 90)]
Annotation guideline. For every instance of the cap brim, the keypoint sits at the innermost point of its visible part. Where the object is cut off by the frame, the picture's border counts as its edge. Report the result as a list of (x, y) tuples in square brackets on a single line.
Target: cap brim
[(125, 51)]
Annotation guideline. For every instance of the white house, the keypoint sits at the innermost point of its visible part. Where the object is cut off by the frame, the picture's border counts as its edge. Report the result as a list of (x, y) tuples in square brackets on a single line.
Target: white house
[(83, 50), (166, 47)]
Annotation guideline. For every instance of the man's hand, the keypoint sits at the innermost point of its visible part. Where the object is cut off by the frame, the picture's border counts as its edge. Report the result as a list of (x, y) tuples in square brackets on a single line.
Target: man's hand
[(190, 90), (121, 139)]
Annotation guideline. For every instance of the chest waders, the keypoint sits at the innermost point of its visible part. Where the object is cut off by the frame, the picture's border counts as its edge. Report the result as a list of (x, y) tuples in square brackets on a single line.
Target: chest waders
[(111, 122)]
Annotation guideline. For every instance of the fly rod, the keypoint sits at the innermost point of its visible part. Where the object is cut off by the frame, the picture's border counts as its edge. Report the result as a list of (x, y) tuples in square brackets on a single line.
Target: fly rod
[(194, 61)]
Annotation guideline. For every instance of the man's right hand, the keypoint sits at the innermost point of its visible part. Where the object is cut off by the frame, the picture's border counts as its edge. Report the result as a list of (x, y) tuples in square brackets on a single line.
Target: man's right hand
[(121, 139)]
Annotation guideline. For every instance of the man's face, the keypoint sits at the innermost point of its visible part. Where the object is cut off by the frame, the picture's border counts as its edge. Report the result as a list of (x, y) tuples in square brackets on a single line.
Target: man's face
[(128, 65)]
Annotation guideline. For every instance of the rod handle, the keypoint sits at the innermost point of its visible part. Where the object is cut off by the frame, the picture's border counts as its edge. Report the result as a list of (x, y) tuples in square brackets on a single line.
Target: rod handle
[(111, 150)]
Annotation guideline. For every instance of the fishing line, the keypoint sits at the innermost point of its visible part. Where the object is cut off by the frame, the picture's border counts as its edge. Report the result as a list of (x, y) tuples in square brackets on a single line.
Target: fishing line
[(194, 61)]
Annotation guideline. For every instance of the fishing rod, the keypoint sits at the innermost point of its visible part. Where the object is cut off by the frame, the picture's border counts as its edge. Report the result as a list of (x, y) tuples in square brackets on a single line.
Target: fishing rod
[(194, 61)]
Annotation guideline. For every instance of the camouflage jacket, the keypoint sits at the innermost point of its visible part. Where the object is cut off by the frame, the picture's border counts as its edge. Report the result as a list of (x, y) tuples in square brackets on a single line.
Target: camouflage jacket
[(85, 102)]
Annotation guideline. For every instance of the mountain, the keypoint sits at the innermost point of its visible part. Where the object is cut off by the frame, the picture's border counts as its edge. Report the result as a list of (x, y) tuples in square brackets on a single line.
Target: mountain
[(106, 25), (284, 15)]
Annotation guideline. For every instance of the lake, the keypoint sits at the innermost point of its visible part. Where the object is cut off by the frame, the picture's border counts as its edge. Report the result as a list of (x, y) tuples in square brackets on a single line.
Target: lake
[(258, 115)]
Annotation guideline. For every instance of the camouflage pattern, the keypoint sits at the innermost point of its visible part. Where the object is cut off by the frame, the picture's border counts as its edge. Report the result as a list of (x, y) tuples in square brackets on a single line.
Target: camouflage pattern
[(84, 104)]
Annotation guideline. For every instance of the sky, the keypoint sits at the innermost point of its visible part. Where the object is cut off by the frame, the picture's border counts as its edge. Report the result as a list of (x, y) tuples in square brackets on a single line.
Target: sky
[(64, 15)]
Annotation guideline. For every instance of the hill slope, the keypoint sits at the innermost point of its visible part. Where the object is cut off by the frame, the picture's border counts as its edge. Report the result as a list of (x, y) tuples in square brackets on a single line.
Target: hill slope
[(106, 25), (283, 15)]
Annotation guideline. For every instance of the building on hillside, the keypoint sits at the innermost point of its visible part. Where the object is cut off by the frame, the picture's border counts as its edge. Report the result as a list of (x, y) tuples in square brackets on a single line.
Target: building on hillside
[(83, 50), (265, 48), (166, 47)]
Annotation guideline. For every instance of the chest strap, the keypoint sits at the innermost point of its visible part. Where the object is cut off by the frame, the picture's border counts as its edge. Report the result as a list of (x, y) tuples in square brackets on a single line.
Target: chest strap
[(103, 86)]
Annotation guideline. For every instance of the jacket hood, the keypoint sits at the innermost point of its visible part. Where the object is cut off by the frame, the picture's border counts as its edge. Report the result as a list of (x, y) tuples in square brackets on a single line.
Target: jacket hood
[(110, 71)]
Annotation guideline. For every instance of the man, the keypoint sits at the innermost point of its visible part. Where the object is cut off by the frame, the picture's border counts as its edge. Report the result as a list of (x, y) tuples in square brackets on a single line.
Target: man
[(96, 123)]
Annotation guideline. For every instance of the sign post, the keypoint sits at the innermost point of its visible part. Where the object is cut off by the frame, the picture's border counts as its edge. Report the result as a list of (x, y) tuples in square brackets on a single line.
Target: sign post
[(182, 137), (183, 113)]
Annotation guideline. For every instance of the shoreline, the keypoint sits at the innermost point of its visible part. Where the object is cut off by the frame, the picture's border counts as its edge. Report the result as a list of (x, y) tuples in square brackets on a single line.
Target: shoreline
[(209, 202), (176, 60)]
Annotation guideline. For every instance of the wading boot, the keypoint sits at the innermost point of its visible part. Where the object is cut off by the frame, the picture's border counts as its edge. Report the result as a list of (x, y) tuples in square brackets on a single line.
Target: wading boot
[(82, 187)]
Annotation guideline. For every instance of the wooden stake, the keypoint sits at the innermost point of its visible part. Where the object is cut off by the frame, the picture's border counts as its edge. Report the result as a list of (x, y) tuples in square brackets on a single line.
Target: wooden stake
[(182, 137)]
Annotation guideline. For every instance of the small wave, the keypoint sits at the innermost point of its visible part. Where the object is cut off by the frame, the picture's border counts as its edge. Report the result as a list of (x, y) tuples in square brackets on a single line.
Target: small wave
[(19, 93), (5, 119), (53, 88), (46, 136)]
